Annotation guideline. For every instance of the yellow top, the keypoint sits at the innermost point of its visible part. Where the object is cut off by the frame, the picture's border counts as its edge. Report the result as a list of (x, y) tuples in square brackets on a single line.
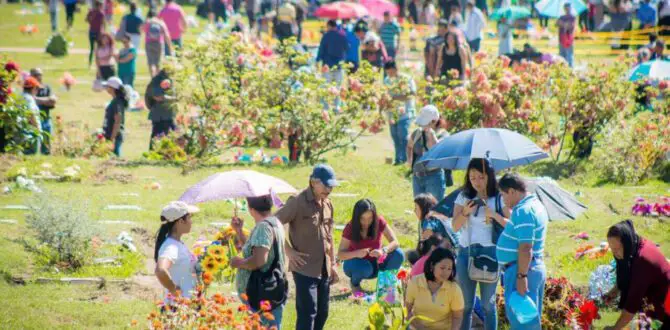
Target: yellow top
[(439, 307)]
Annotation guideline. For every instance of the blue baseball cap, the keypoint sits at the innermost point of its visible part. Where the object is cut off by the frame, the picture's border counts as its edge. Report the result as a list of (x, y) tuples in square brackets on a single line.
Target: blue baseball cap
[(325, 174)]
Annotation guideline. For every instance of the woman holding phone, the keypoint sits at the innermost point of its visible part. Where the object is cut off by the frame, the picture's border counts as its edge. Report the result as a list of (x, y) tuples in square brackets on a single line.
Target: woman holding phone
[(479, 215)]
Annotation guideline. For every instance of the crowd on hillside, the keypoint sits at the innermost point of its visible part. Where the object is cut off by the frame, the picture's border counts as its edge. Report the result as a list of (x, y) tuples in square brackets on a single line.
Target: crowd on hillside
[(496, 236)]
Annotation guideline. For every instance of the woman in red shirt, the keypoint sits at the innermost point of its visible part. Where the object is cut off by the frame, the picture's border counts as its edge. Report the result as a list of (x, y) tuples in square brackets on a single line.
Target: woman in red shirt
[(642, 272), (361, 245)]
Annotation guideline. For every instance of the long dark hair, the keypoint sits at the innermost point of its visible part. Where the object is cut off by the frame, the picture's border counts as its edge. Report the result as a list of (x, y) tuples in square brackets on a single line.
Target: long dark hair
[(625, 232), (426, 203), (481, 165), (163, 233), (424, 246), (438, 255), (457, 41), (122, 94), (362, 206)]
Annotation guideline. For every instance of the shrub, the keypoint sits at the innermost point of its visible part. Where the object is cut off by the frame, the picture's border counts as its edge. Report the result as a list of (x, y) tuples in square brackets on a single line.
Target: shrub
[(75, 139), (14, 113), (630, 150), (63, 229)]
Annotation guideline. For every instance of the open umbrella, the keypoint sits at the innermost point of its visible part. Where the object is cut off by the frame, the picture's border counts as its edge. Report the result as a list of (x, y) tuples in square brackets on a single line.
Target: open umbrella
[(554, 8), (504, 148), (235, 184), (654, 70), (341, 10), (512, 13), (377, 8), (560, 204)]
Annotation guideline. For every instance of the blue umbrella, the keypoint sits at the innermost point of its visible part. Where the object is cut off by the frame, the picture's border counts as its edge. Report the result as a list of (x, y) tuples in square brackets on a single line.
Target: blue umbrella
[(502, 147), (653, 70), (554, 8)]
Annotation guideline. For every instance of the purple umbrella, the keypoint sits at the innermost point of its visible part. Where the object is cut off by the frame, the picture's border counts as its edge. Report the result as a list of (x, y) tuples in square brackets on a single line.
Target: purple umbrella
[(235, 184)]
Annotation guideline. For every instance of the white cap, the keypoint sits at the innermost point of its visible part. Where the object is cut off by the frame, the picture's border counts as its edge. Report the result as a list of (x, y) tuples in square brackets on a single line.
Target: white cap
[(176, 210), (427, 115), (113, 82)]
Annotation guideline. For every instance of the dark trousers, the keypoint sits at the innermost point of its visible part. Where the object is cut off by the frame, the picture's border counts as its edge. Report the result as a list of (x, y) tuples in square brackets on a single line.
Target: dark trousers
[(251, 17), (474, 44), (544, 21), (664, 22), (311, 301), (69, 13), (161, 128), (92, 40)]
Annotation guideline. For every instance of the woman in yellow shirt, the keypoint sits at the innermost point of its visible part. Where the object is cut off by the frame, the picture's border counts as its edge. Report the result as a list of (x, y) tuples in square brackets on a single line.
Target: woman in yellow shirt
[(435, 295)]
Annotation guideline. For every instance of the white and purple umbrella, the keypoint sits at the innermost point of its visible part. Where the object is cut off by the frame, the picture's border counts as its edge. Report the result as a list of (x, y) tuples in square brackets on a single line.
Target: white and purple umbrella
[(236, 184)]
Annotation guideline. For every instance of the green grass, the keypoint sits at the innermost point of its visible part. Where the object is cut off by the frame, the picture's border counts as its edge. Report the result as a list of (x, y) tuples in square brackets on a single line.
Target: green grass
[(39, 306)]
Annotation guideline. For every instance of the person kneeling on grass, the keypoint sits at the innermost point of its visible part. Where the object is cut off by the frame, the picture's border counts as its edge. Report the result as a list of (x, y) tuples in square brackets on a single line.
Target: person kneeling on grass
[(175, 264), (434, 296), (361, 245)]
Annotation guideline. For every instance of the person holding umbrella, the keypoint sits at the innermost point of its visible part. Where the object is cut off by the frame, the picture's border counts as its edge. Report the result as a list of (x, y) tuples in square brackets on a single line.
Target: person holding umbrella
[(309, 217), (566, 34)]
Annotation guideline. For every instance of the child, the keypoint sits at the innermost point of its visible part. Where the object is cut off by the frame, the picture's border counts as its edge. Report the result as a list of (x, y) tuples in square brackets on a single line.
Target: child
[(126, 59)]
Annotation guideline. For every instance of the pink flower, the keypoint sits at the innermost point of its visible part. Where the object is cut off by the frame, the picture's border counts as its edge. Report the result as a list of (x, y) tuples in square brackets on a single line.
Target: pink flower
[(505, 85), (485, 99), (333, 90), (325, 116), (240, 59), (505, 61), (266, 52)]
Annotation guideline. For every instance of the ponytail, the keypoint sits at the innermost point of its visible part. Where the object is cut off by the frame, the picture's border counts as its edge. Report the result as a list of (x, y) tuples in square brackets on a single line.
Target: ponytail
[(163, 233), (124, 94)]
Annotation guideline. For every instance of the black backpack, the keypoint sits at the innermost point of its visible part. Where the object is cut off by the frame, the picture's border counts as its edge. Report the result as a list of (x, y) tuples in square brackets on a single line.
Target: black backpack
[(270, 285)]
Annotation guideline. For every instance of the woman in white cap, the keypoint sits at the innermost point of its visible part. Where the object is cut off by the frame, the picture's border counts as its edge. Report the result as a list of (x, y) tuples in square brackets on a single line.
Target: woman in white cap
[(115, 113), (422, 139), (175, 264)]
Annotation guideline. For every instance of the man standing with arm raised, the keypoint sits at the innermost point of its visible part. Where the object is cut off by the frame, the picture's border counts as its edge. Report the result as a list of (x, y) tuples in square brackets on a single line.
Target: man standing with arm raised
[(309, 217)]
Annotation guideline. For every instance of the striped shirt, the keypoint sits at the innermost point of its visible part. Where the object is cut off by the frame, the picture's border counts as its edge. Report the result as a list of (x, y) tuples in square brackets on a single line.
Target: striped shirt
[(390, 33), (528, 224)]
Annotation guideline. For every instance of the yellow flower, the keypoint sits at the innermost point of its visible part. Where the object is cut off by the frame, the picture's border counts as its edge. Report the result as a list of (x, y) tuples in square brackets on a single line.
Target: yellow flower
[(216, 250), (197, 251), (209, 264)]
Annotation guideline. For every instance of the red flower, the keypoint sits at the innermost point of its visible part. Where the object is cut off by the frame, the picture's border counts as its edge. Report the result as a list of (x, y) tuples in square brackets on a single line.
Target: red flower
[(667, 302), (402, 274), (11, 66), (100, 136), (588, 312)]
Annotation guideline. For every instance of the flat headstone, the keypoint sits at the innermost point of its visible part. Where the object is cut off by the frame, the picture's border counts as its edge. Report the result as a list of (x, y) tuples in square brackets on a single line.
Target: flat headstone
[(15, 207), (343, 195), (117, 222), (106, 260), (123, 208), (219, 224), (339, 227), (9, 221)]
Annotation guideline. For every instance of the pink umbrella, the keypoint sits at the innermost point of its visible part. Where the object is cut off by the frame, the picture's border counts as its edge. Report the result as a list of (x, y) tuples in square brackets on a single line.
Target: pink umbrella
[(341, 10), (376, 8), (235, 184)]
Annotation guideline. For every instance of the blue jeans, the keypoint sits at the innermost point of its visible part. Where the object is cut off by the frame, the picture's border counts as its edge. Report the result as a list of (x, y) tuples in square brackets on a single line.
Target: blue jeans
[(359, 269), (474, 44), (46, 127), (53, 14), (391, 52), (433, 183), (117, 146), (311, 301), (400, 136), (487, 293), (537, 275), (334, 75), (568, 53)]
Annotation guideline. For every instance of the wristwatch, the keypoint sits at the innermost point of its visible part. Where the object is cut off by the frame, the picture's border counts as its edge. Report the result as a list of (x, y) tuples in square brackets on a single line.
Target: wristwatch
[(520, 276)]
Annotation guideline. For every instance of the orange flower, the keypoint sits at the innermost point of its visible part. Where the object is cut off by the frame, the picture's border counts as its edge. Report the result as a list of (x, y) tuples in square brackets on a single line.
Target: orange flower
[(219, 298), (202, 313), (152, 315), (268, 316), (133, 323), (244, 297), (157, 324), (242, 308), (207, 278), (266, 306)]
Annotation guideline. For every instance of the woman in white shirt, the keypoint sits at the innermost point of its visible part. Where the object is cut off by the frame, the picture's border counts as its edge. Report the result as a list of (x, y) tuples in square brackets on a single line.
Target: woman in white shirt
[(175, 264), (479, 215)]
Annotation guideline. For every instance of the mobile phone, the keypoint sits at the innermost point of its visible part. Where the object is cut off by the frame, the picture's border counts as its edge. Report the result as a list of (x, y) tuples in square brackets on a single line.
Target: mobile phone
[(478, 202)]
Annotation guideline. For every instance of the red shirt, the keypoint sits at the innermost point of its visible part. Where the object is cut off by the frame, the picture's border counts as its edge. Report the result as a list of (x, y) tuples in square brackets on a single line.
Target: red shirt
[(370, 243), (95, 20), (650, 279)]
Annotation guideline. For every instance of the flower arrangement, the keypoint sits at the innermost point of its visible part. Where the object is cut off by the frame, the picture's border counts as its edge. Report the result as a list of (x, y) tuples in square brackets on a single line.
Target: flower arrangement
[(661, 208), (68, 81), (593, 252), (214, 263), (201, 312), (28, 29)]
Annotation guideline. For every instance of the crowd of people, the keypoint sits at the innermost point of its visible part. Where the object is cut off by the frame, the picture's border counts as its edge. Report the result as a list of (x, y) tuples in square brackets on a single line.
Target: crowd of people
[(496, 236)]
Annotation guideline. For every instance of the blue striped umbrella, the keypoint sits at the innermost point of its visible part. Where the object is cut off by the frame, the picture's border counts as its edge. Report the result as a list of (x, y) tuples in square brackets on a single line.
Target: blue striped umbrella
[(654, 70), (554, 8)]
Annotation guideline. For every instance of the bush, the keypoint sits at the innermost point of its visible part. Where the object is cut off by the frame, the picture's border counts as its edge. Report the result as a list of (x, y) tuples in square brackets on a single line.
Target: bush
[(63, 229), (14, 113), (75, 139), (631, 150)]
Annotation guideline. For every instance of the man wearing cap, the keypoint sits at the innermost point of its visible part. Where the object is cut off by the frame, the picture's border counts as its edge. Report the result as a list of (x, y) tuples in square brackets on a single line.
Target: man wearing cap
[(30, 87), (474, 25), (566, 34), (174, 262), (389, 31), (433, 44), (309, 217), (46, 100), (422, 139)]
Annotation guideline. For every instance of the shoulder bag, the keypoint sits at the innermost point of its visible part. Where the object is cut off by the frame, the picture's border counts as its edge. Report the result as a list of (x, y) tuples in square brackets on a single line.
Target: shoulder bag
[(270, 285), (482, 262)]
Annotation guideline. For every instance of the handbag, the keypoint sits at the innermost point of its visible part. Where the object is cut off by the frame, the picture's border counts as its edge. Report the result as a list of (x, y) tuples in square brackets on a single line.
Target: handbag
[(270, 285), (482, 265)]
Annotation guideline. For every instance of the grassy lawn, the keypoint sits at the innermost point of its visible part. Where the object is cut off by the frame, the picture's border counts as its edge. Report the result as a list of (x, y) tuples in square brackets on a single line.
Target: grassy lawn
[(40, 306)]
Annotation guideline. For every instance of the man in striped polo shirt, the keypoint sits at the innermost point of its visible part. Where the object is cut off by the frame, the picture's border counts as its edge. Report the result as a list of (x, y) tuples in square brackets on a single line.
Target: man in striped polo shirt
[(520, 248), (389, 32)]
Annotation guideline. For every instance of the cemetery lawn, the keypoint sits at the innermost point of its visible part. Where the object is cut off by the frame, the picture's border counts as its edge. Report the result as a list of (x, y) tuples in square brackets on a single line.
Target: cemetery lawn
[(32, 305)]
